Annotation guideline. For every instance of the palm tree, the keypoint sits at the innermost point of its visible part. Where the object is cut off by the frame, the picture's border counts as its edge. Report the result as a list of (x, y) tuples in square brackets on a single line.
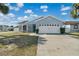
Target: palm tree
[(74, 14), (3, 8), (75, 10)]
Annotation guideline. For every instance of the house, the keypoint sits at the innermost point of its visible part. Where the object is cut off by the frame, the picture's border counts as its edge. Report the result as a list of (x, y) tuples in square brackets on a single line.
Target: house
[(11, 28), (4, 28), (23, 26), (44, 24), (74, 25), (16, 29), (48, 24)]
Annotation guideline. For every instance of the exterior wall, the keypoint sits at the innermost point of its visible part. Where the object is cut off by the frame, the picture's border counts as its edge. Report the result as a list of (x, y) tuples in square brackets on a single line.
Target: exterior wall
[(74, 30), (67, 30), (30, 27), (46, 21), (49, 21), (3, 28), (21, 26), (16, 29)]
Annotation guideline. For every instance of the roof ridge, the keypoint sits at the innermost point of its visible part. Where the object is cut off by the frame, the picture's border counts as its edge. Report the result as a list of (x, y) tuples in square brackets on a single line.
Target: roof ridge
[(37, 18), (52, 17)]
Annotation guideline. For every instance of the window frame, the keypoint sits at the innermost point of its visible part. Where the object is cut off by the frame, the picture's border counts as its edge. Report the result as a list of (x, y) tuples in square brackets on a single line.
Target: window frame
[(76, 26)]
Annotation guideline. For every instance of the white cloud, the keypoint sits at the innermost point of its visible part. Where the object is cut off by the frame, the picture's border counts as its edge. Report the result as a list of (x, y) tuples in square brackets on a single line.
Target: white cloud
[(17, 9), (28, 18), (1, 14), (11, 15), (7, 4), (45, 10), (20, 5), (8, 19), (24, 18), (28, 11), (33, 15), (63, 13), (43, 7), (13, 7), (64, 8)]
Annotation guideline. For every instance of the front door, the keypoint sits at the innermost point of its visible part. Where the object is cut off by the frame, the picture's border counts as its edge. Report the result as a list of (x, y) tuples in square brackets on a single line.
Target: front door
[(34, 27), (24, 28)]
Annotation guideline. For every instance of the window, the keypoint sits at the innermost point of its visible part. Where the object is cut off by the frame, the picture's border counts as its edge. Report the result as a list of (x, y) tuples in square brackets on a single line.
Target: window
[(24, 28), (52, 25), (57, 24), (75, 26), (47, 24), (39, 24), (42, 24)]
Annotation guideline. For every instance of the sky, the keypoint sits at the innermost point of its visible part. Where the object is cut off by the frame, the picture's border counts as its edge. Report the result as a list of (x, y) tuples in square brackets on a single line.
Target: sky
[(29, 11)]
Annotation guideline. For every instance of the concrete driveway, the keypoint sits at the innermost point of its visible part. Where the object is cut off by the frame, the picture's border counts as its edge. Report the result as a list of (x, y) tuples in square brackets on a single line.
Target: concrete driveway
[(57, 45)]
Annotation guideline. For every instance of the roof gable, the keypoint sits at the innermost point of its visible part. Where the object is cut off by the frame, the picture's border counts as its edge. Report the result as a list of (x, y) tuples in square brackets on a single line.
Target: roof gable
[(48, 17)]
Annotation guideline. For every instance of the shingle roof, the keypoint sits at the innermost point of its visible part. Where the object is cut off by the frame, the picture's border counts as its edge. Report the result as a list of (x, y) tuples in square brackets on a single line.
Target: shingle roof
[(22, 22), (71, 22), (43, 17)]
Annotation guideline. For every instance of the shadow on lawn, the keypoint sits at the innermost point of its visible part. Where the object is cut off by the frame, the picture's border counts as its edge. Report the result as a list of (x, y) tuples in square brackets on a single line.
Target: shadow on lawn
[(19, 40), (75, 36), (22, 40), (26, 45), (41, 40)]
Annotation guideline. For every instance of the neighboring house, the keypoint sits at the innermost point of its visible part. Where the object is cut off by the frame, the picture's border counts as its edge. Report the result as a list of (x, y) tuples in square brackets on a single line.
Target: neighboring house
[(74, 25), (11, 28), (23, 26), (45, 24), (16, 29), (4, 28)]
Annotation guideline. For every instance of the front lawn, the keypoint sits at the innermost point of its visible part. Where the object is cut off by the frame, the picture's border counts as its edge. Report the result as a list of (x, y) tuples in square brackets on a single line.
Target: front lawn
[(18, 44), (75, 35)]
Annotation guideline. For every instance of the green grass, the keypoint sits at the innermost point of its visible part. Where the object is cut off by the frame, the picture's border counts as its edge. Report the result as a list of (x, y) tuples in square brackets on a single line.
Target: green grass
[(23, 44), (75, 35)]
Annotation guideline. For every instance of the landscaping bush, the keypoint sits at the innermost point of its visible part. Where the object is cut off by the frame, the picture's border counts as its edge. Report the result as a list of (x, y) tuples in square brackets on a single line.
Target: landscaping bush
[(37, 30), (62, 30)]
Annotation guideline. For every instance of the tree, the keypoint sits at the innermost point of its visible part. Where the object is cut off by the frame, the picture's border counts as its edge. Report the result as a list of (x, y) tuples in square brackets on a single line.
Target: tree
[(3, 8), (75, 10)]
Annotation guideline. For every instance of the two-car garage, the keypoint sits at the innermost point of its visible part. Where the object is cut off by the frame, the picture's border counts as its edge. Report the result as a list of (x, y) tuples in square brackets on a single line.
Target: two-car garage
[(49, 25), (49, 29)]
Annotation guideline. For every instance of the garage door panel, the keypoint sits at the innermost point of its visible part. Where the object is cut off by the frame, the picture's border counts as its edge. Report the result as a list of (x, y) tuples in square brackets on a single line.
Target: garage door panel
[(49, 29)]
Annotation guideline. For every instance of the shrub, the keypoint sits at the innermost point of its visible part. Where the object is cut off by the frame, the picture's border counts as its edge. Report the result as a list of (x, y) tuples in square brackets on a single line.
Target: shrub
[(37, 30), (62, 30)]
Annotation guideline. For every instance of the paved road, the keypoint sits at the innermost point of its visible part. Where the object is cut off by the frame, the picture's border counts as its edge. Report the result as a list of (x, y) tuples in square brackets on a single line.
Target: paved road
[(57, 45)]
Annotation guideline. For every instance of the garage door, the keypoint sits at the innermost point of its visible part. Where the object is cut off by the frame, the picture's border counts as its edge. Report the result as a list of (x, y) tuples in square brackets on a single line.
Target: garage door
[(49, 29)]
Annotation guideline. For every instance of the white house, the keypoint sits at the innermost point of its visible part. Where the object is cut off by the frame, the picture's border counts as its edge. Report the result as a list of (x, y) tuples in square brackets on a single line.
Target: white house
[(45, 24), (48, 24), (4, 28), (16, 29), (23, 26), (74, 25)]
